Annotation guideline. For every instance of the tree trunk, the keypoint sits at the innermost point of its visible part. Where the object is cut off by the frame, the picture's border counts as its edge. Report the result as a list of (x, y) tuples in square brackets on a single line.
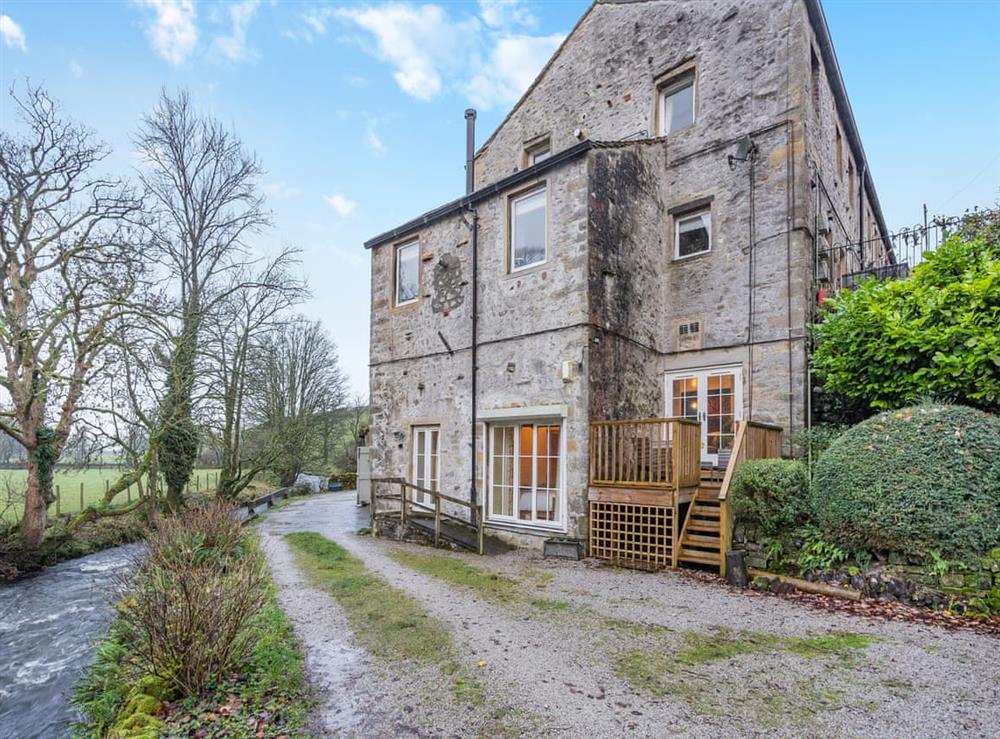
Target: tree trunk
[(35, 508)]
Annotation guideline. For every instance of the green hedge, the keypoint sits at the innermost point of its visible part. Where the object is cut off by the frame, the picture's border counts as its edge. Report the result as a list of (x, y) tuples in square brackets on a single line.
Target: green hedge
[(913, 481), (770, 496)]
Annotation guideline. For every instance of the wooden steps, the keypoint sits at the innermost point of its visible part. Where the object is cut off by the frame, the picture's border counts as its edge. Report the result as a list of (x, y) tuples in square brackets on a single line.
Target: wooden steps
[(700, 541)]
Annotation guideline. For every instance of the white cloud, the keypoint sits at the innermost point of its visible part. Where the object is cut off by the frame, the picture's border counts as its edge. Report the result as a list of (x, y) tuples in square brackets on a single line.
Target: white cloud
[(372, 138), (12, 34), (514, 63), (172, 31), (484, 57), (280, 190), (234, 46), (418, 41), (503, 13), (342, 205), (75, 69)]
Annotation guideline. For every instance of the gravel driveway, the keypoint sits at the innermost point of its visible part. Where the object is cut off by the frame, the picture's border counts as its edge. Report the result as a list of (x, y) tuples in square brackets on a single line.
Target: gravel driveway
[(580, 669)]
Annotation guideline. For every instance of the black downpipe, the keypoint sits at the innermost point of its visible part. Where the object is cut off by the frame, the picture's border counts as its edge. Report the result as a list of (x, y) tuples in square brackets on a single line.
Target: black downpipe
[(861, 214), (470, 186)]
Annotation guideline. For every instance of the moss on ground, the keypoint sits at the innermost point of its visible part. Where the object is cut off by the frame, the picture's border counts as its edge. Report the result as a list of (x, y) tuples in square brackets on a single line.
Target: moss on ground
[(492, 586), (384, 620)]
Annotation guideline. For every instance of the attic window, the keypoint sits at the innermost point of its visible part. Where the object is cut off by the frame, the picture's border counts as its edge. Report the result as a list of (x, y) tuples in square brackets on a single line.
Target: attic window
[(407, 272), (538, 152), (676, 104), (693, 327)]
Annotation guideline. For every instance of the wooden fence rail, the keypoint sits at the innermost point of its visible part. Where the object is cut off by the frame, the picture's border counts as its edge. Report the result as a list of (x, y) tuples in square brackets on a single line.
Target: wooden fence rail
[(645, 453), (406, 507)]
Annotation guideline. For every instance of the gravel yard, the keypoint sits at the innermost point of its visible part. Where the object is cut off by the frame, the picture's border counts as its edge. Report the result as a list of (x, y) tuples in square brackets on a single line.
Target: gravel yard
[(571, 648)]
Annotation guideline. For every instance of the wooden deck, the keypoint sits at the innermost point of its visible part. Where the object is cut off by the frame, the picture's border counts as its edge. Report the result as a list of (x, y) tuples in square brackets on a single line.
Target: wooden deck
[(651, 504)]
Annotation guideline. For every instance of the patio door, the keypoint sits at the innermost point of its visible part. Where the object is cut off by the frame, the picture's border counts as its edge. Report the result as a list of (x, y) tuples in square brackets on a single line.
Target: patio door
[(426, 463), (714, 398)]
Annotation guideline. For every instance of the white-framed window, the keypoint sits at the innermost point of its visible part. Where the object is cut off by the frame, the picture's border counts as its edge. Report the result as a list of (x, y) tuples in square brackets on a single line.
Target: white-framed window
[(537, 153), (426, 462), (676, 104), (528, 229), (525, 473), (407, 272), (692, 233)]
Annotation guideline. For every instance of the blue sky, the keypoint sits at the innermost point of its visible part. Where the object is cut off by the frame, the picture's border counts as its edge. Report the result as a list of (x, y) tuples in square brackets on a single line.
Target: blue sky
[(356, 110)]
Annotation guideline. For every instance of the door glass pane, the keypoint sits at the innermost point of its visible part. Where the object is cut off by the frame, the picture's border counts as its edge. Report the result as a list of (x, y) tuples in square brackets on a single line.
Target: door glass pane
[(434, 474), (503, 471), (526, 453), (720, 398), (547, 466), (685, 398)]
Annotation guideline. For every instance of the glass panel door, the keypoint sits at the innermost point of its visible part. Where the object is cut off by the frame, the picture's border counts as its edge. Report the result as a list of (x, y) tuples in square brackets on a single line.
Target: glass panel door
[(713, 397), (426, 463)]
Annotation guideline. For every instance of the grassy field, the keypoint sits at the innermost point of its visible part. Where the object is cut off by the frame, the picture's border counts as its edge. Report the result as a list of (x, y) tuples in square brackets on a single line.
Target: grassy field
[(69, 483)]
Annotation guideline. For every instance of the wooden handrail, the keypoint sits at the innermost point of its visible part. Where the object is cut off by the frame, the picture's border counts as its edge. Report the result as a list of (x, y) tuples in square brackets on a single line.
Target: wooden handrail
[(475, 511), (753, 441)]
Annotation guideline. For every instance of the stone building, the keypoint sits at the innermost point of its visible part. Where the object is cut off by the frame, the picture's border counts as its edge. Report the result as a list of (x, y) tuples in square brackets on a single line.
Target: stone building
[(646, 237)]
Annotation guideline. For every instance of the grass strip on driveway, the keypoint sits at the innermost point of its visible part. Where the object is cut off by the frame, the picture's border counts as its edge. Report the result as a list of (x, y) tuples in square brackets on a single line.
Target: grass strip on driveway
[(492, 586), (384, 620)]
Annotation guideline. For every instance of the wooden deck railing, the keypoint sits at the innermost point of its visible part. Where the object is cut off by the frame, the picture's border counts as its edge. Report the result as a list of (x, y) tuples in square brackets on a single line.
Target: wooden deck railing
[(753, 441), (406, 506), (645, 453)]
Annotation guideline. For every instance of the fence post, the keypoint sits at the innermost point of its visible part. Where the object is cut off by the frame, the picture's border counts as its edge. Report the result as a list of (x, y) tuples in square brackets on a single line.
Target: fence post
[(371, 505), (81, 496), (479, 512), (437, 520), (58, 496), (402, 510)]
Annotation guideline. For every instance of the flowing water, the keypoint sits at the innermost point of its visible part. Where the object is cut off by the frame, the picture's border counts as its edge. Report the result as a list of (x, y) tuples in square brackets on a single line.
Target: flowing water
[(49, 624)]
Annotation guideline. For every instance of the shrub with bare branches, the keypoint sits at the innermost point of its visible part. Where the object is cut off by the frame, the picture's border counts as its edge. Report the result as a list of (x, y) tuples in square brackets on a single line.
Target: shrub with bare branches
[(186, 609)]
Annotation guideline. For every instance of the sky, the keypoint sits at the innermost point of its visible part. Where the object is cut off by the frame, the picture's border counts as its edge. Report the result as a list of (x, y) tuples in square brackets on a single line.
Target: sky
[(356, 109)]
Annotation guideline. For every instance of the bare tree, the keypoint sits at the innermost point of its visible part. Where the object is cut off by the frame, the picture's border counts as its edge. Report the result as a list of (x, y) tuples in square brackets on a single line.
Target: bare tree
[(296, 376), (202, 182), (69, 262), (231, 338)]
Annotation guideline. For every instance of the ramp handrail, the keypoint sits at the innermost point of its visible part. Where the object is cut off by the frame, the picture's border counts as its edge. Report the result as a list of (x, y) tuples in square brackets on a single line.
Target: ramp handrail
[(475, 511)]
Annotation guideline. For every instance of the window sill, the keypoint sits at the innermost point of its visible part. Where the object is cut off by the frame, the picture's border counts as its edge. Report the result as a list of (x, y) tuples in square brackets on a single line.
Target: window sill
[(688, 257), (522, 527), (530, 269)]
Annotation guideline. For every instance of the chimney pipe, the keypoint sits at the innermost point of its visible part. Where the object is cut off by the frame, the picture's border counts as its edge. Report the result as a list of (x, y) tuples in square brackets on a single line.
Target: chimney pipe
[(470, 150)]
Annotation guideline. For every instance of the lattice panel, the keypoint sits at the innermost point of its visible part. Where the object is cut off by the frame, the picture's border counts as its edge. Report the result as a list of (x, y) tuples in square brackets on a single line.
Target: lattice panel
[(631, 534)]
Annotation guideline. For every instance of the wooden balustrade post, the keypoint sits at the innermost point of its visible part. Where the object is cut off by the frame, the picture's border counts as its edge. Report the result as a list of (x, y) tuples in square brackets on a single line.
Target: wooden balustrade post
[(402, 509), (437, 521)]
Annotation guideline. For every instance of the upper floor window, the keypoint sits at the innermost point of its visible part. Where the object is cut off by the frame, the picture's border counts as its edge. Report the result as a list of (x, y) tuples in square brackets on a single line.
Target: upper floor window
[(407, 272), (537, 153), (676, 101), (692, 233), (528, 229)]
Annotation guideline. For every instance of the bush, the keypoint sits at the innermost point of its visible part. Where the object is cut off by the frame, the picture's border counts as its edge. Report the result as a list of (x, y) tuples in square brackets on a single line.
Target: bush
[(816, 440), (770, 495), (913, 481), (186, 608), (933, 335), (349, 480)]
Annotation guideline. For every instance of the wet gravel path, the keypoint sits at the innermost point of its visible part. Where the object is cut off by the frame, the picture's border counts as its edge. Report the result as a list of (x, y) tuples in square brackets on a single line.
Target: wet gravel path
[(553, 672)]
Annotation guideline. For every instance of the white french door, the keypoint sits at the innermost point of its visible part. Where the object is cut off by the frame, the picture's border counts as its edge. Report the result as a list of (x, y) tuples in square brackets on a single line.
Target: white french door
[(426, 462), (714, 398)]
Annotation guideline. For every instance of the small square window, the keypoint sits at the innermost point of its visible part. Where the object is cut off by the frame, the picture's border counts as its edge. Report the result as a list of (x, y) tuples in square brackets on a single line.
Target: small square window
[(692, 234), (528, 229), (676, 105), (407, 272), (536, 153)]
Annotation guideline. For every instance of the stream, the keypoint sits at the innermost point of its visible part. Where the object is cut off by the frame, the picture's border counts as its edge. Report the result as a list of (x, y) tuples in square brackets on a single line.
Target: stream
[(49, 624)]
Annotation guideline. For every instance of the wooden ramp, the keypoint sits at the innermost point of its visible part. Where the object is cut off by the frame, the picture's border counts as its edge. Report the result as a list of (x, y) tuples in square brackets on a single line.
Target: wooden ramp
[(460, 534)]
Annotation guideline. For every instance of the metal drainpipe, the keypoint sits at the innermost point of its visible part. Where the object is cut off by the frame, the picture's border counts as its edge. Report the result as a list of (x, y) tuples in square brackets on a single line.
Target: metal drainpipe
[(861, 214), (470, 186)]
